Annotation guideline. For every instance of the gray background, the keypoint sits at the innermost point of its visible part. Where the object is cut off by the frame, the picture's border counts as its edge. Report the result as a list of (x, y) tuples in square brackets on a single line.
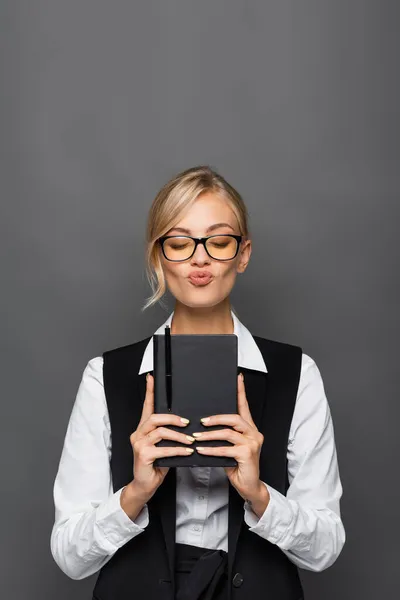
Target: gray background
[(296, 103)]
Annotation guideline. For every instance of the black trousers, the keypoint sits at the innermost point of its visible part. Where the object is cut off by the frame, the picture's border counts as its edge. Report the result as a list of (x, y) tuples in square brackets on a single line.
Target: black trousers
[(200, 573)]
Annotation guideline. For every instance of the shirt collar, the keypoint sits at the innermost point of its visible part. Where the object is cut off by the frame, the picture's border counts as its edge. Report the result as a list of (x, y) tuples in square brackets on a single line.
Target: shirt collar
[(249, 355)]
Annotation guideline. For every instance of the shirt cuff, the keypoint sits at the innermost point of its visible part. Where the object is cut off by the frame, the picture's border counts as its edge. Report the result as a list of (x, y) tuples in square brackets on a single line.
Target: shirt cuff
[(274, 524), (115, 524)]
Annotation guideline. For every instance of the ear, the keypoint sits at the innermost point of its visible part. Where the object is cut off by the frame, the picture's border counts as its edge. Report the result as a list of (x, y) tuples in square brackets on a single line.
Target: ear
[(245, 254)]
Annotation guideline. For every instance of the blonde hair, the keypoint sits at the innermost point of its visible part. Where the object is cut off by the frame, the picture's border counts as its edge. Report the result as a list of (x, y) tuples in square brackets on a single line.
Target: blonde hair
[(174, 198)]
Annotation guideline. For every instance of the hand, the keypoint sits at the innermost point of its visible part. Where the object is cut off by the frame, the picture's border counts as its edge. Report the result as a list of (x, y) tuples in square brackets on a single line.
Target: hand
[(149, 432), (247, 440)]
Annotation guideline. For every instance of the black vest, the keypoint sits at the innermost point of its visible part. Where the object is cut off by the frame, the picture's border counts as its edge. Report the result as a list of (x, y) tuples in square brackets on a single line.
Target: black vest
[(143, 569)]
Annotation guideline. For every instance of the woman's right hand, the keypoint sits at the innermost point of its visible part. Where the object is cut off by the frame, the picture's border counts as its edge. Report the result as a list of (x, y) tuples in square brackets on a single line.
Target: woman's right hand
[(151, 429)]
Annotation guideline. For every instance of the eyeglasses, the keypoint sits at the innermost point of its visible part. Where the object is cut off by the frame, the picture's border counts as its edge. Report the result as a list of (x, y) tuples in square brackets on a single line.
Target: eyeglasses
[(181, 247)]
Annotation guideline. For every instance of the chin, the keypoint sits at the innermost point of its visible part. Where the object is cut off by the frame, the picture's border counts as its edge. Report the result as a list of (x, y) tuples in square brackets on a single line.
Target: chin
[(200, 301)]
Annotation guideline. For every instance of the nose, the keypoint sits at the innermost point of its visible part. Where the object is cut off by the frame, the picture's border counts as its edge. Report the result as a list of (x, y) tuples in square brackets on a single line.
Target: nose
[(200, 256)]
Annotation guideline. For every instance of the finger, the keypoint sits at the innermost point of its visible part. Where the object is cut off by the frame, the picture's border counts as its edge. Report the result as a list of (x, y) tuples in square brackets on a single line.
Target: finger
[(148, 404), (234, 420), (160, 419), (220, 434), (164, 433), (243, 405), (160, 452), (219, 451)]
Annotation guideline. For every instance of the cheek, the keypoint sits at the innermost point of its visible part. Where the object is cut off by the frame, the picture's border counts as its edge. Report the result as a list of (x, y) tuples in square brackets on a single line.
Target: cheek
[(227, 270), (173, 272), (225, 277)]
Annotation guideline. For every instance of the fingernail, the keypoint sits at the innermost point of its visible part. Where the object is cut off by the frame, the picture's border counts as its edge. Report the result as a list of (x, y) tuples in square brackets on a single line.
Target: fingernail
[(197, 434), (205, 419), (242, 376), (189, 450), (190, 438), (185, 420), (147, 377)]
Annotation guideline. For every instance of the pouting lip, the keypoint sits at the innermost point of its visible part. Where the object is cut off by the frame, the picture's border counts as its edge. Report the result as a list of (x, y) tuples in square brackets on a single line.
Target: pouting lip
[(200, 281), (200, 274)]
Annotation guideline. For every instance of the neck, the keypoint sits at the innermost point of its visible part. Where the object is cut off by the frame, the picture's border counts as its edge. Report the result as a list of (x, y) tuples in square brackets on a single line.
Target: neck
[(196, 320)]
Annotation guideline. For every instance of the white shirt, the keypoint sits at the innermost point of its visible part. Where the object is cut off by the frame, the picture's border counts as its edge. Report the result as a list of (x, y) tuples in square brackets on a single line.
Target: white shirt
[(90, 524)]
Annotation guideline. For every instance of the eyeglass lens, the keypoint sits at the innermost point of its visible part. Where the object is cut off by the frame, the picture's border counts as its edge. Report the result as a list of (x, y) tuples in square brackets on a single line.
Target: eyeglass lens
[(219, 246)]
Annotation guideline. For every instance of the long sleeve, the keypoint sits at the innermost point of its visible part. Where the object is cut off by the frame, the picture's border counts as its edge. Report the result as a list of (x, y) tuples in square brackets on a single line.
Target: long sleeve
[(90, 524), (306, 523)]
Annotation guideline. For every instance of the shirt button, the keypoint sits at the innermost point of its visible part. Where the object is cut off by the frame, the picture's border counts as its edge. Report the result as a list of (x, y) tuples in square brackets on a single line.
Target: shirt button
[(196, 528), (237, 580), (201, 497)]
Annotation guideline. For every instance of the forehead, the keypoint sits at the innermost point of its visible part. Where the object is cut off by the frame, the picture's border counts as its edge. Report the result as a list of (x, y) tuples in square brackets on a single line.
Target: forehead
[(207, 210)]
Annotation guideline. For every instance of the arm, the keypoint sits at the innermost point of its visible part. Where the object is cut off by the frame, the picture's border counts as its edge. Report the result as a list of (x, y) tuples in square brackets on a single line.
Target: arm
[(305, 523), (90, 523)]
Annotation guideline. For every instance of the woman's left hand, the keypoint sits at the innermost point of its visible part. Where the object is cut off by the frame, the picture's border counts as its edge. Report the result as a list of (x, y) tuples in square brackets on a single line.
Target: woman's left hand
[(247, 440)]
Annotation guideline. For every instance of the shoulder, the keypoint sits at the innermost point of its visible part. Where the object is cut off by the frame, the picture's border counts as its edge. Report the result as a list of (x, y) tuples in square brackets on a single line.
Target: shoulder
[(278, 354), (128, 349), (279, 351), (93, 370), (310, 373), (312, 406), (277, 345), (94, 367), (308, 363), (89, 405)]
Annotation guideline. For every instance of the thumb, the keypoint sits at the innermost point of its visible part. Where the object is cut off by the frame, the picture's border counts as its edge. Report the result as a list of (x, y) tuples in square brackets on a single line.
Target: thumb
[(229, 470), (148, 404)]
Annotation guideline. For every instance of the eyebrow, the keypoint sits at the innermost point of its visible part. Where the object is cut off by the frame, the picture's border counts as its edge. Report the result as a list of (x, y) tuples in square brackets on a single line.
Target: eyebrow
[(211, 228)]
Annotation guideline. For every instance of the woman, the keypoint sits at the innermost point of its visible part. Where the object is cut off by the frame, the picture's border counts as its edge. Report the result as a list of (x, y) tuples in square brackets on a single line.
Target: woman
[(206, 533)]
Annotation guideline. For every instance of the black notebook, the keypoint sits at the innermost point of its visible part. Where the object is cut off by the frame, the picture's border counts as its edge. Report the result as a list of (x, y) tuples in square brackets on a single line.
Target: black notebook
[(203, 382)]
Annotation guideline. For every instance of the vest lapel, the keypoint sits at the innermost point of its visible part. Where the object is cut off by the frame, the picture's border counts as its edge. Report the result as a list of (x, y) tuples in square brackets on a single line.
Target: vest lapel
[(164, 500), (256, 400)]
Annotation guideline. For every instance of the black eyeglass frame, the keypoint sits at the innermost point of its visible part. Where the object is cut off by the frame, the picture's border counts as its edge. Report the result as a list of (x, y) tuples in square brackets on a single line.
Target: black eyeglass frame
[(200, 240)]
